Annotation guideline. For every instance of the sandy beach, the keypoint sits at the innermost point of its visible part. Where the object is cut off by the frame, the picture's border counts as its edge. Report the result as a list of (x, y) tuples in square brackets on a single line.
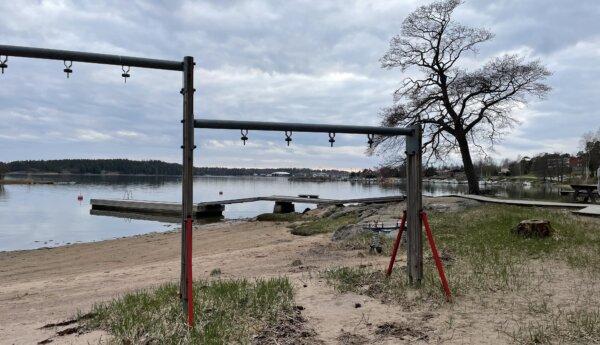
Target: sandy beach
[(45, 286)]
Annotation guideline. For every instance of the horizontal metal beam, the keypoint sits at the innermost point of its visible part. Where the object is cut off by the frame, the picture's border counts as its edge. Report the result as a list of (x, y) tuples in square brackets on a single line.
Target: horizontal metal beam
[(68, 55), (302, 127)]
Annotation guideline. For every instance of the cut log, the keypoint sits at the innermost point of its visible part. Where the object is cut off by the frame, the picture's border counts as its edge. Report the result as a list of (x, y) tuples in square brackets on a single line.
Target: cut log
[(533, 228)]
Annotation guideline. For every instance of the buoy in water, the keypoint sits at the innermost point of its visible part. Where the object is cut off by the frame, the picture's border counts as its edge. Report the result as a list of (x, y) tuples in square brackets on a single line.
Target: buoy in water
[(80, 197), (220, 192)]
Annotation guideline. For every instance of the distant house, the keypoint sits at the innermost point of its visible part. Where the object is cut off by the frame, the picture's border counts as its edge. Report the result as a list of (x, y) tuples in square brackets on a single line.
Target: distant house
[(280, 174), (577, 165)]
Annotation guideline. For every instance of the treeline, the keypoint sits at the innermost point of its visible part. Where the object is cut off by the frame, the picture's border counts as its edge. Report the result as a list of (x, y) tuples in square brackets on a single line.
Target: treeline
[(95, 166), (136, 167), (556, 166)]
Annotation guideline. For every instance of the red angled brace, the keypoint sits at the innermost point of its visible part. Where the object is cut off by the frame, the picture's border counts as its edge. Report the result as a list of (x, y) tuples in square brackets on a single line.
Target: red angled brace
[(188, 272), (396, 244), (436, 256)]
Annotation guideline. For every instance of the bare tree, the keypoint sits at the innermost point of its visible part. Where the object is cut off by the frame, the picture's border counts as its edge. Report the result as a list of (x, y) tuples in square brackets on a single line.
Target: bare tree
[(590, 142), (456, 107)]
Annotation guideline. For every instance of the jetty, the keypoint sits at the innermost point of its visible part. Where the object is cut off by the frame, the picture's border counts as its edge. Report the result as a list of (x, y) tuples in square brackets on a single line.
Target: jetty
[(214, 209), (579, 208)]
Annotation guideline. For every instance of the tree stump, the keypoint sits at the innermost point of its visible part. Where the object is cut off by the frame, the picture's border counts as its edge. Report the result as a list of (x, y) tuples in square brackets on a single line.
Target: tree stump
[(533, 228)]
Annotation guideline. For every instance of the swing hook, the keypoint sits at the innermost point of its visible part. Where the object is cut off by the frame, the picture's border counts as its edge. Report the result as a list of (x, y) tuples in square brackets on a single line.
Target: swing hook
[(125, 74), (68, 69), (288, 137), (331, 138), (3, 64), (244, 135), (370, 141)]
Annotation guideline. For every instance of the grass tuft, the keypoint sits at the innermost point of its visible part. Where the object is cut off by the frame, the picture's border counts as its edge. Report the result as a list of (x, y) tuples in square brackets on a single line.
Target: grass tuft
[(324, 225), (226, 312), (374, 283), (279, 217)]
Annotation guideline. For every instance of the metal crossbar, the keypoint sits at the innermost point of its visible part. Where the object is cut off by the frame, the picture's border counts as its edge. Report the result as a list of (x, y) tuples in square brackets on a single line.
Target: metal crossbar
[(302, 127), (107, 59)]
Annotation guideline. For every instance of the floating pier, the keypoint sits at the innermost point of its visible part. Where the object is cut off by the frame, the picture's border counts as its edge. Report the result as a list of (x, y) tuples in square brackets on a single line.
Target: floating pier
[(214, 209), (592, 210)]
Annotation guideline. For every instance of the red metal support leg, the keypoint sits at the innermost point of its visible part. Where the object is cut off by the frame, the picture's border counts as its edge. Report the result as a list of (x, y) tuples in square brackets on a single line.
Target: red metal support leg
[(396, 244), (436, 256), (188, 273)]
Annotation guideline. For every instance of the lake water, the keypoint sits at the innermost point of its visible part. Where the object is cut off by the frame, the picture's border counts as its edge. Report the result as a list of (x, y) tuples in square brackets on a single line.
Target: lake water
[(50, 215)]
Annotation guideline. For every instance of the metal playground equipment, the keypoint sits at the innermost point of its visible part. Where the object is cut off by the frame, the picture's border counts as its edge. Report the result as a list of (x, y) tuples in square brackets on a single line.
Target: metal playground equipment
[(413, 218)]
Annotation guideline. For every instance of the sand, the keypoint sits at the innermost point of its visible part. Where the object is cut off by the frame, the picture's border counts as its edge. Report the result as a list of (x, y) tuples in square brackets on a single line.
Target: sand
[(44, 286)]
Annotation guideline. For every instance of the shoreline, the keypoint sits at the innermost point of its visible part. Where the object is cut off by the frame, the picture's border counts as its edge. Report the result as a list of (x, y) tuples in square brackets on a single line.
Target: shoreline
[(61, 281)]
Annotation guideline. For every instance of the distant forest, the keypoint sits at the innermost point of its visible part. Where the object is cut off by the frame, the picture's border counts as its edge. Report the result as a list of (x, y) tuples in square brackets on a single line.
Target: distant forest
[(134, 167)]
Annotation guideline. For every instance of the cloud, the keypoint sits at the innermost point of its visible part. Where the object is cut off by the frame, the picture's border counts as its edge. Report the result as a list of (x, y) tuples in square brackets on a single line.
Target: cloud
[(91, 135), (265, 60)]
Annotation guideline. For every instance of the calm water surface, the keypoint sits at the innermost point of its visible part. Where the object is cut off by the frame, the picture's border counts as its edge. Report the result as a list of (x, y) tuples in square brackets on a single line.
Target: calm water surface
[(50, 215)]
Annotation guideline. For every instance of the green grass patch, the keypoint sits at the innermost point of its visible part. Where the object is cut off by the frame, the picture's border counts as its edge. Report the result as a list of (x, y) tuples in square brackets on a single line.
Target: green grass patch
[(481, 253), (227, 311), (325, 225), (482, 240), (279, 217)]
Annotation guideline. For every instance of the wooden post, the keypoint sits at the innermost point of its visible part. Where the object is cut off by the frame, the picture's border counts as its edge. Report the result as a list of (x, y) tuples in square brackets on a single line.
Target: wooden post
[(414, 207), (187, 196)]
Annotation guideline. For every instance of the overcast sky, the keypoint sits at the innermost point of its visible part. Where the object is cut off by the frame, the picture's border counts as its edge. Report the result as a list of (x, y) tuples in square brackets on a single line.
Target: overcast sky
[(306, 61)]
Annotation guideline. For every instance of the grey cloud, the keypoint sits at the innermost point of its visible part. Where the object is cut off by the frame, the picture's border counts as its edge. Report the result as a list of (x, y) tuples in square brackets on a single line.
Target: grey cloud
[(262, 60)]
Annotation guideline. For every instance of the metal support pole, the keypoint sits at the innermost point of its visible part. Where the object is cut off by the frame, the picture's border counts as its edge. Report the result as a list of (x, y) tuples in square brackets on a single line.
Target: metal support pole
[(187, 196), (414, 207)]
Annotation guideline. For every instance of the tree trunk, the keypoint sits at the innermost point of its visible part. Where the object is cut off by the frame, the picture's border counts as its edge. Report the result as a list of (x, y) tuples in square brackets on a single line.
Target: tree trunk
[(472, 178)]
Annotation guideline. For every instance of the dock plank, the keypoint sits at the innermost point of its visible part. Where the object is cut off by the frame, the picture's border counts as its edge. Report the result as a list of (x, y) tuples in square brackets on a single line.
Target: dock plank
[(581, 209), (174, 208), (592, 210), (540, 203)]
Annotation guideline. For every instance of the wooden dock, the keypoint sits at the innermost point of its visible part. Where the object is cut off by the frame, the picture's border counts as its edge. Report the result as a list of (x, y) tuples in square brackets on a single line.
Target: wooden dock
[(581, 209), (214, 209)]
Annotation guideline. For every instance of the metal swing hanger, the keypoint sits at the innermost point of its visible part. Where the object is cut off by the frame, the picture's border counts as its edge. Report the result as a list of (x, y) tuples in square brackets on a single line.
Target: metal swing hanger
[(68, 66), (331, 138), (288, 137), (3, 63), (370, 141), (125, 74), (244, 135)]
